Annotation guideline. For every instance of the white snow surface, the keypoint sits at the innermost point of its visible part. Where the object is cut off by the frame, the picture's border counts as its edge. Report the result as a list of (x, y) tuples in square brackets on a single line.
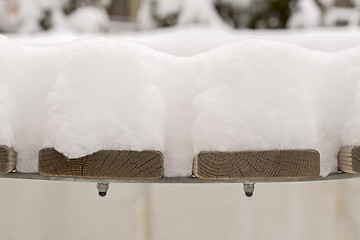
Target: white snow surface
[(350, 132), (80, 98), (165, 7), (261, 95), (307, 14), (200, 12), (8, 117), (89, 19), (247, 95), (104, 99)]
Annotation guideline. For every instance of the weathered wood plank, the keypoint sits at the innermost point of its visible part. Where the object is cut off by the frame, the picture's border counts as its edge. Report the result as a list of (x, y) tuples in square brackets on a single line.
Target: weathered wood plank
[(257, 164), (103, 164), (349, 159), (7, 159)]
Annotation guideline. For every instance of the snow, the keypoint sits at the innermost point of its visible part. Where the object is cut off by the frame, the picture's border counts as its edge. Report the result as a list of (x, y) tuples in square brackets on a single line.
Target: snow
[(189, 41), (261, 95), (144, 19), (188, 12), (110, 98), (7, 117), (350, 16), (177, 79), (350, 136), (291, 96), (24, 16), (30, 76), (307, 14), (8, 19), (165, 7), (256, 96), (181, 41), (200, 12), (103, 100), (89, 19)]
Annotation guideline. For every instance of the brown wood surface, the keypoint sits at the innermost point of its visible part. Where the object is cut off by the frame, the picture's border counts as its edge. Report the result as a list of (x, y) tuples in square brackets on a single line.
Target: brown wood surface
[(349, 159), (103, 164), (7, 159), (257, 164)]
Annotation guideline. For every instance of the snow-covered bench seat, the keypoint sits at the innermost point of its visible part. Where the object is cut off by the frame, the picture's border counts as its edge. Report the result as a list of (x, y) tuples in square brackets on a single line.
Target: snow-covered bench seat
[(92, 98), (103, 164), (252, 119), (105, 117), (257, 164), (7, 159)]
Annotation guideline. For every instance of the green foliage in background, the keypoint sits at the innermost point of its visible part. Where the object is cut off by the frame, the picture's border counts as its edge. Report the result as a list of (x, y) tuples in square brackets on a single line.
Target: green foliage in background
[(271, 14)]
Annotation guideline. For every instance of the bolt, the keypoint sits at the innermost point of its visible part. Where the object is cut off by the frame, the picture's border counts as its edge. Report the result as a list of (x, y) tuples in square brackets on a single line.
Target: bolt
[(102, 189), (249, 189)]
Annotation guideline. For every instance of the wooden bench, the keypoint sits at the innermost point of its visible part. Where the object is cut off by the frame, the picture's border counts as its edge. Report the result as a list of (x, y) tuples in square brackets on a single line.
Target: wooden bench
[(103, 164), (349, 159), (257, 164), (7, 159)]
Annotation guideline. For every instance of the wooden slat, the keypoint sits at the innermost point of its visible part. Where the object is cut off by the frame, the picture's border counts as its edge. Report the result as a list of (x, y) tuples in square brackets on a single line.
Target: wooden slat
[(103, 164), (257, 164), (349, 159), (7, 159)]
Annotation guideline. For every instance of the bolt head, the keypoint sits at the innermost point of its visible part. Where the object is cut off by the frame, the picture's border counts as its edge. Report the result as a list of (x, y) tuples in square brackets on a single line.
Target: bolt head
[(248, 194), (102, 194)]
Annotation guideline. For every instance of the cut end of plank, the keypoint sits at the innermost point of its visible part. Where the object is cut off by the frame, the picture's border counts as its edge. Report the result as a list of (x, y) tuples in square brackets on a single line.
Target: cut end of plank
[(257, 164), (125, 164), (349, 159), (7, 159)]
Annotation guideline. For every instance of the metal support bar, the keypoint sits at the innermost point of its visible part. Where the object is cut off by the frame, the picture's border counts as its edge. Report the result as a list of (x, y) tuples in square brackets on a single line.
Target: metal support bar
[(103, 183), (36, 176)]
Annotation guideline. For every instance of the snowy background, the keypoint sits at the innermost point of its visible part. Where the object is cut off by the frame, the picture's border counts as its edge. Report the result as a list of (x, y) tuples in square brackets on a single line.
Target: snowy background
[(326, 35)]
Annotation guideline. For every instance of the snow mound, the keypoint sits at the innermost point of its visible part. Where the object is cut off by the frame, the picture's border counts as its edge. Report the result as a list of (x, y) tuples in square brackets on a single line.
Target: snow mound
[(89, 19), (351, 129), (260, 95), (256, 96), (104, 99), (30, 74), (178, 79), (200, 12), (8, 117), (8, 110), (307, 14)]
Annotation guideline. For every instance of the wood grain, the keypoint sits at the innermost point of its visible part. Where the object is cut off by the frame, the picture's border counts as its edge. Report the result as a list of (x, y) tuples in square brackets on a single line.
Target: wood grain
[(7, 159), (257, 164), (103, 164), (349, 159)]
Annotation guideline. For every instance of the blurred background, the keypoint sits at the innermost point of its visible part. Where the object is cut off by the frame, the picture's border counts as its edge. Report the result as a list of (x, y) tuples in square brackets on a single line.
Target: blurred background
[(30, 16), (65, 210)]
